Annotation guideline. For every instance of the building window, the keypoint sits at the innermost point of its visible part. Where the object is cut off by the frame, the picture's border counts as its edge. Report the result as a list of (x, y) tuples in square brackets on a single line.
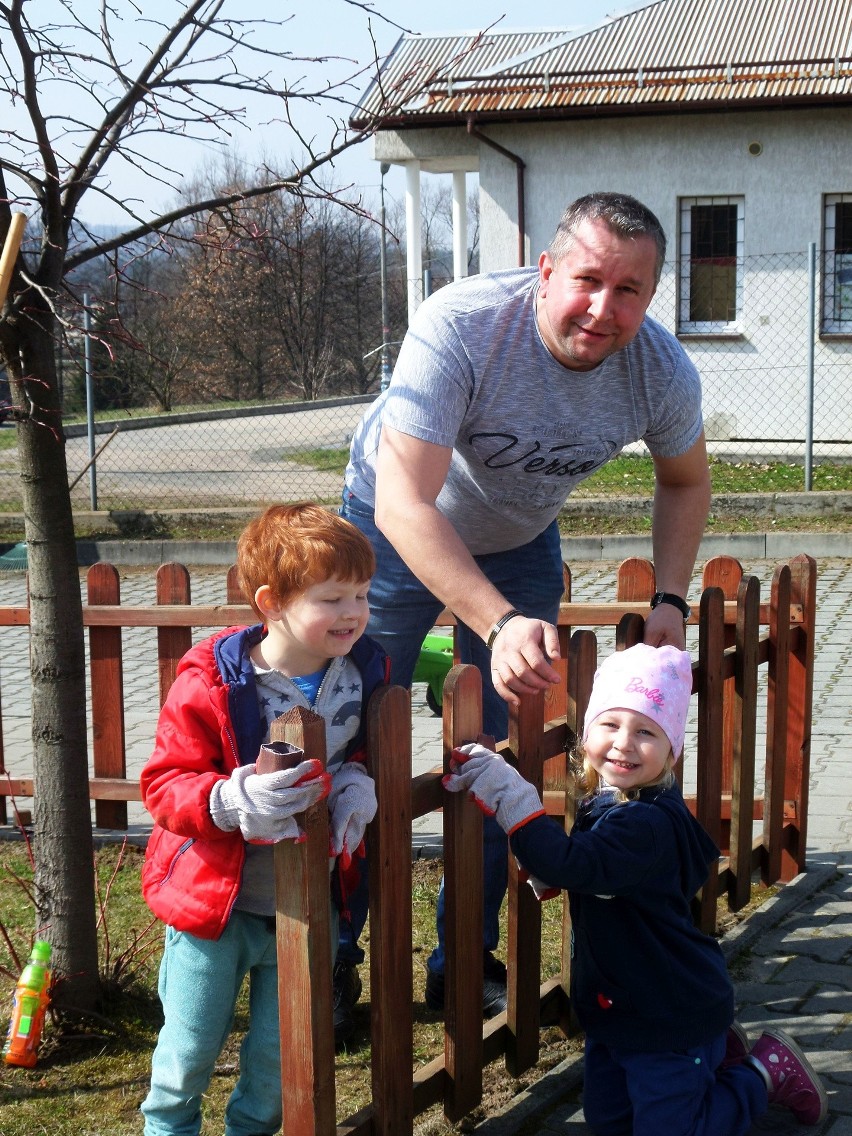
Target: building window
[(711, 264), (837, 271)]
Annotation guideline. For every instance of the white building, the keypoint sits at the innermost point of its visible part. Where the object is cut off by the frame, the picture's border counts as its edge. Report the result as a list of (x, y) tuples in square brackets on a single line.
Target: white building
[(731, 119)]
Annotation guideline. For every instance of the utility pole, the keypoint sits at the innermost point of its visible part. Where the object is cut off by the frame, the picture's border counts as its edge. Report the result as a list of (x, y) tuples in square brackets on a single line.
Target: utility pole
[(383, 262)]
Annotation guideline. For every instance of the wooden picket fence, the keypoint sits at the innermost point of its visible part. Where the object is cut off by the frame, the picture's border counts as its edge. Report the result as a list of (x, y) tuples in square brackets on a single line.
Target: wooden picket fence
[(738, 636)]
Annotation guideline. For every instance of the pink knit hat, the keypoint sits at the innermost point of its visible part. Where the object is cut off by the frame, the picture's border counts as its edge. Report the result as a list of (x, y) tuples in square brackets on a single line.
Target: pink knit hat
[(654, 681)]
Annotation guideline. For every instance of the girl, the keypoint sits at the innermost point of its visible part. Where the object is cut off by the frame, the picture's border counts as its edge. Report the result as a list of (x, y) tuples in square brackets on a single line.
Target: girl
[(662, 1052)]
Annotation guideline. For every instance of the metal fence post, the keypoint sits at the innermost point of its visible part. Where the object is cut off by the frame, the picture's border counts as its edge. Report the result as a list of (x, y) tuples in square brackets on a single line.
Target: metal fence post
[(809, 428), (90, 402)]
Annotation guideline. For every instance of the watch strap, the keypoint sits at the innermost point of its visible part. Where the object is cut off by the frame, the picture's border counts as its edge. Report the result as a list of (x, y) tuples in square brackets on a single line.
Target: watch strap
[(499, 625), (673, 599)]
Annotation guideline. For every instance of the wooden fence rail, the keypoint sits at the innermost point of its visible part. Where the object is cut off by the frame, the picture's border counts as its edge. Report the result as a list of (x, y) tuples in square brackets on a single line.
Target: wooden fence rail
[(741, 639)]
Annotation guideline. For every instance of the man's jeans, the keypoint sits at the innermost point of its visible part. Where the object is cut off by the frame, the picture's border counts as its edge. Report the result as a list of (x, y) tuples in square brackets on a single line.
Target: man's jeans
[(402, 613)]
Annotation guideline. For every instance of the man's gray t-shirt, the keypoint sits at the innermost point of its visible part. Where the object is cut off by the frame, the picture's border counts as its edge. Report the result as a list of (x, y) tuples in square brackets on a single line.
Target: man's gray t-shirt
[(474, 374)]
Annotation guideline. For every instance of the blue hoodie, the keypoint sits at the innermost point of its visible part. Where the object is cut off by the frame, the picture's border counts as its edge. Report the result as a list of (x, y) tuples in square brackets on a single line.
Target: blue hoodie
[(643, 976)]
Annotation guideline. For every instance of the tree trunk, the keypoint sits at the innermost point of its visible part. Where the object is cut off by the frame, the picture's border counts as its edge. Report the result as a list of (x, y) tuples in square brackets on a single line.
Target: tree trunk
[(65, 893)]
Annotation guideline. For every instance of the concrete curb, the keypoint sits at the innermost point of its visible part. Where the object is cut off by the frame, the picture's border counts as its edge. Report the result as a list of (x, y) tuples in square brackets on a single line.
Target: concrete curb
[(536, 1102), (745, 546), (154, 421), (575, 549)]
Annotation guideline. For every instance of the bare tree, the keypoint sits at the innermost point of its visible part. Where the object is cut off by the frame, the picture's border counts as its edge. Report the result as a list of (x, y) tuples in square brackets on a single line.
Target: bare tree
[(134, 83)]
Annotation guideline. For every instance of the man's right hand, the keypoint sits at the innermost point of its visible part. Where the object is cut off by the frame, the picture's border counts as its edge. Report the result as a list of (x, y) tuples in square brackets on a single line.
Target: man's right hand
[(521, 658)]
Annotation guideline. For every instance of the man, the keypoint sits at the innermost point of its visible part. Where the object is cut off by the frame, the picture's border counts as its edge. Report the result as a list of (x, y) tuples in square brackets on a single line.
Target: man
[(509, 390)]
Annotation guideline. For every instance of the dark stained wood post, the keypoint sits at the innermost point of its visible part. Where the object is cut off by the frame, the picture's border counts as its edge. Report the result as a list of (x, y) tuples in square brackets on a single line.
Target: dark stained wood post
[(803, 572), (777, 712), (708, 756), (302, 903), (726, 573), (582, 664), (463, 900), (524, 910), (555, 696), (172, 642), (389, 857), (636, 580), (745, 724), (107, 693)]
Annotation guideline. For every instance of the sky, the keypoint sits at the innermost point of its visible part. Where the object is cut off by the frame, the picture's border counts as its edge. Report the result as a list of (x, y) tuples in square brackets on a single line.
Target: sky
[(439, 16), (340, 30)]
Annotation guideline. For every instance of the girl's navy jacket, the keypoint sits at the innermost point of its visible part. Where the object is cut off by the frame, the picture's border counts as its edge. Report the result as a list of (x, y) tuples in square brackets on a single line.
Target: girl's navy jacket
[(643, 977)]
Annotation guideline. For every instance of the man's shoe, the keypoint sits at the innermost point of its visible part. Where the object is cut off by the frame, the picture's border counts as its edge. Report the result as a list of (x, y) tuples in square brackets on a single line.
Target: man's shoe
[(434, 990), (493, 987), (346, 990), (494, 997), (788, 1076)]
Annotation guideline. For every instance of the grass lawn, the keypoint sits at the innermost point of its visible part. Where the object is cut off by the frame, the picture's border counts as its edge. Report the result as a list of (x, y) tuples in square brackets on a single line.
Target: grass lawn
[(632, 476)]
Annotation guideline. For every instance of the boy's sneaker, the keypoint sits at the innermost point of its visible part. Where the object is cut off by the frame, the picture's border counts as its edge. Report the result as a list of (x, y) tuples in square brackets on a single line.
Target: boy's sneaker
[(493, 987), (346, 990), (788, 1076), (737, 1045)]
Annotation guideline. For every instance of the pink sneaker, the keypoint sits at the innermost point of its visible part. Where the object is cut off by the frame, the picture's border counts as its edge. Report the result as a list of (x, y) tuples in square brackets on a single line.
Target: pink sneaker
[(737, 1046), (789, 1078)]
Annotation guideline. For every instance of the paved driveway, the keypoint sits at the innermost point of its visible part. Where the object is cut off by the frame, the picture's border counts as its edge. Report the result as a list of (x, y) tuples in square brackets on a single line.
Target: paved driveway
[(235, 461)]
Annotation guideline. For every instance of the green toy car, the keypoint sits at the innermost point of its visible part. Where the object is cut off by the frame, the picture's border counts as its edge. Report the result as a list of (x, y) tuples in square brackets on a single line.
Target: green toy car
[(436, 658)]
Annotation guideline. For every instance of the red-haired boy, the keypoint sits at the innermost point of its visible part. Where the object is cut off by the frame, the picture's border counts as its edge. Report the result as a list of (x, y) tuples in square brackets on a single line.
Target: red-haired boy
[(208, 872)]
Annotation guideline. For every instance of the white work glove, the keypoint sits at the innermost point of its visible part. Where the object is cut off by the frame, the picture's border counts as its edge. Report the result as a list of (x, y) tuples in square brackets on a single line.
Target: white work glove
[(542, 890), (351, 806), (263, 805), (496, 787)]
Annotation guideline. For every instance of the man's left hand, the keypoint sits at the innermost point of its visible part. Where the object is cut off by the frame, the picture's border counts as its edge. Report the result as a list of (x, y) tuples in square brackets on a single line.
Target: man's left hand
[(664, 626)]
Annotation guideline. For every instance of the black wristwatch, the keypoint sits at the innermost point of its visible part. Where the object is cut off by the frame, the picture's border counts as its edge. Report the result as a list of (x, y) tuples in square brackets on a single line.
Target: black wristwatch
[(670, 598)]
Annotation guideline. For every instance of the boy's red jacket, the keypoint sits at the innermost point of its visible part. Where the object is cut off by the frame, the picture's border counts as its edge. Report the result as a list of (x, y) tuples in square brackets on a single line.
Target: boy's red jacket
[(210, 724)]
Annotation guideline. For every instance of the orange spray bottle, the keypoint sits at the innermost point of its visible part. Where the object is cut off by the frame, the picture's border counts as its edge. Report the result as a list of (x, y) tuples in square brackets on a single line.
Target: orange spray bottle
[(32, 995)]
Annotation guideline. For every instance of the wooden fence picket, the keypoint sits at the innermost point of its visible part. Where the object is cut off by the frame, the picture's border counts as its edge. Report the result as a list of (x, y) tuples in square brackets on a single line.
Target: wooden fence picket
[(708, 750), (391, 979), (725, 573), (745, 719), (303, 934), (799, 714), (173, 587), (524, 910), (777, 712), (463, 866), (107, 693)]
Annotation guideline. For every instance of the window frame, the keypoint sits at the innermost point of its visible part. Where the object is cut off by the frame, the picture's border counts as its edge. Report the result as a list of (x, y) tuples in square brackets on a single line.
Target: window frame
[(830, 322), (685, 325)]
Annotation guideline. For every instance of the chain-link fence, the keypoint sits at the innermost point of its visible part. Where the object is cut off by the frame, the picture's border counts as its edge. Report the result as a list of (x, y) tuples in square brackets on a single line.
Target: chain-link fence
[(758, 370), (772, 378)]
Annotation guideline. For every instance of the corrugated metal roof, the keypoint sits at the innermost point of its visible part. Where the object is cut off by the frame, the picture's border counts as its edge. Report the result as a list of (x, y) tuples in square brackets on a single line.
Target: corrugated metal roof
[(670, 52)]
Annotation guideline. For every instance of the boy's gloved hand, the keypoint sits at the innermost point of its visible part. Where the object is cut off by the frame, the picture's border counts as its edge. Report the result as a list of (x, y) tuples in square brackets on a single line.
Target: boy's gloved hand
[(262, 805), (351, 806), (496, 787)]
